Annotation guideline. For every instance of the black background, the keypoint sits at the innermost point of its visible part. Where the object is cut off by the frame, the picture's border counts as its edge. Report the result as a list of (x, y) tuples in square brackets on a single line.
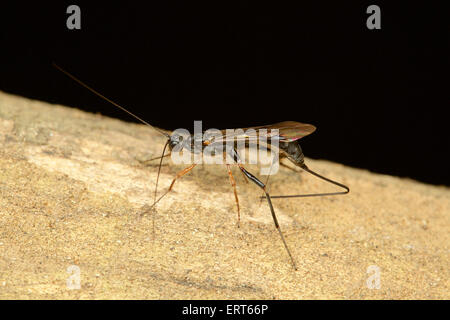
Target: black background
[(377, 97), (174, 308)]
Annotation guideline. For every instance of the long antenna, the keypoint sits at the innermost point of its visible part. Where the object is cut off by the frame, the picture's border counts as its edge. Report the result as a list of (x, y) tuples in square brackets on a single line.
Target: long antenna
[(304, 167), (109, 100)]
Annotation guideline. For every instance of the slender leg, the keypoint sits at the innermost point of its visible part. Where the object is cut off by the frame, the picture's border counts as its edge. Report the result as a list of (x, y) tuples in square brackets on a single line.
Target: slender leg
[(245, 177), (147, 161), (267, 181), (275, 220), (305, 167), (178, 176), (235, 156), (262, 197), (286, 166), (233, 183), (281, 156)]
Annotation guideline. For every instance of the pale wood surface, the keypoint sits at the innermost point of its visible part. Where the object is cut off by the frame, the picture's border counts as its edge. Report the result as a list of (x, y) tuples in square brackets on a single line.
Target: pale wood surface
[(72, 190)]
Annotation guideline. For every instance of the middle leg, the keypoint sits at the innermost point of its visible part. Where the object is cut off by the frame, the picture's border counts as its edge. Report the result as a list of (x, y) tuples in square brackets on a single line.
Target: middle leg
[(233, 183)]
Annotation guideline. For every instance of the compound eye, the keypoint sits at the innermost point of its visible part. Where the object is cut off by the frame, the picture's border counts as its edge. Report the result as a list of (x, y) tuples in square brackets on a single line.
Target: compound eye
[(174, 142)]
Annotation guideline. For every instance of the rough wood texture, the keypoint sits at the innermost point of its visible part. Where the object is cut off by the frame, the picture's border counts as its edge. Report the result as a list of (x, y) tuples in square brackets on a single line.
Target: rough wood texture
[(72, 190)]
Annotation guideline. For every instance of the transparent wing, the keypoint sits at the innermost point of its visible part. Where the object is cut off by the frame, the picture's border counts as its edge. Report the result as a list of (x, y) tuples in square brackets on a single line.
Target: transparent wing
[(286, 131)]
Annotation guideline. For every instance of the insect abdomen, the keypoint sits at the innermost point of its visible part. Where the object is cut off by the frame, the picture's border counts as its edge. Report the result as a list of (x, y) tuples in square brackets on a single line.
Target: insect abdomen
[(293, 152)]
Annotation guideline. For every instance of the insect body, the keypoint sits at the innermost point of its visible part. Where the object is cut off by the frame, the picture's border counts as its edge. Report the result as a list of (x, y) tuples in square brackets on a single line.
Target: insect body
[(287, 135)]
